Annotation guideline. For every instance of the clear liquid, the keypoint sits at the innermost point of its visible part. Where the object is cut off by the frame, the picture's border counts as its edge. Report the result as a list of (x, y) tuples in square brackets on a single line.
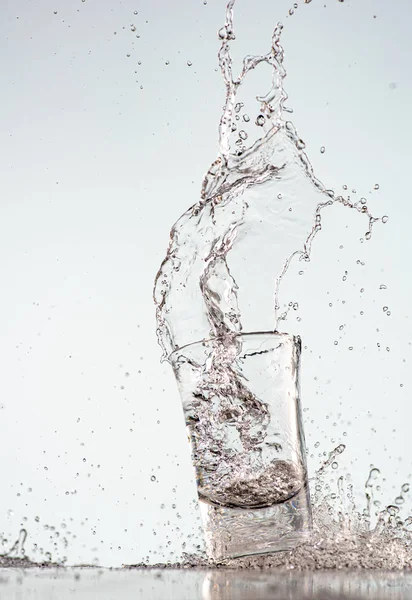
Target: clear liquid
[(260, 209)]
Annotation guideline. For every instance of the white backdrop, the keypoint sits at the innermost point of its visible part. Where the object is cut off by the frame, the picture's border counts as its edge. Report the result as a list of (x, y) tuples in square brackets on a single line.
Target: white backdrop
[(106, 134)]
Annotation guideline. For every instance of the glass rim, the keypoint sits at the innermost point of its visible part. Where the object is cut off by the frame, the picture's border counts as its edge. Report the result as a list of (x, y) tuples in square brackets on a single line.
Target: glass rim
[(290, 336)]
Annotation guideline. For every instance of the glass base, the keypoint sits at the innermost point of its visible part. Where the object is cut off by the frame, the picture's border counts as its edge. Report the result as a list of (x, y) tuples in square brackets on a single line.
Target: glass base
[(235, 532)]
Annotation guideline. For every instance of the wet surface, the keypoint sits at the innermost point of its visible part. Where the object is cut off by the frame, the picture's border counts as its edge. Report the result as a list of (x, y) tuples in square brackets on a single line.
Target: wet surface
[(173, 584)]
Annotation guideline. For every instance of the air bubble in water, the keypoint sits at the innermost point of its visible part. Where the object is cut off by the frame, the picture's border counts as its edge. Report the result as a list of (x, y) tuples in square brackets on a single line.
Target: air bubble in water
[(260, 120), (322, 149)]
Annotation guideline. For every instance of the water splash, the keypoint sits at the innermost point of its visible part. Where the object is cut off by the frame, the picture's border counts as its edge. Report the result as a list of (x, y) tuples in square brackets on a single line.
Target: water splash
[(260, 209), (343, 536)]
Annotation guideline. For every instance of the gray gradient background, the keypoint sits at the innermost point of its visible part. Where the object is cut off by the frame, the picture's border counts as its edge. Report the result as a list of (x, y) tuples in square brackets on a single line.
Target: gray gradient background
[(99, 156)]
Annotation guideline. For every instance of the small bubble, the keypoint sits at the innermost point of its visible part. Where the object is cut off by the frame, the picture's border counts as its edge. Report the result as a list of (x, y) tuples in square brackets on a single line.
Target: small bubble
[(189, 63), (133, 28), (345, 187), (392, 510), (167, 62), (385, 308), (55, 12), (385, 219), (205, 2), (376, 186), (242, 134), (322, 150), (153, 478), (291, 11), (335, 465), (405, 488), (350, 347), (362, 200), (260, 120), (246, 118), (382, 287), (368, 235), (135, 12), (279, 196)]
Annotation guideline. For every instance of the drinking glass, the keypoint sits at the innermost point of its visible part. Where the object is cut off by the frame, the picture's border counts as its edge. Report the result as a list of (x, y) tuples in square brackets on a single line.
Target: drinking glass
[(240, 396)]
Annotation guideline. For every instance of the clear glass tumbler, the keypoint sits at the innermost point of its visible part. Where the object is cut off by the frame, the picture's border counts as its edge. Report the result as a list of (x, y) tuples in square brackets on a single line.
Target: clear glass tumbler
[(241, 403)]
